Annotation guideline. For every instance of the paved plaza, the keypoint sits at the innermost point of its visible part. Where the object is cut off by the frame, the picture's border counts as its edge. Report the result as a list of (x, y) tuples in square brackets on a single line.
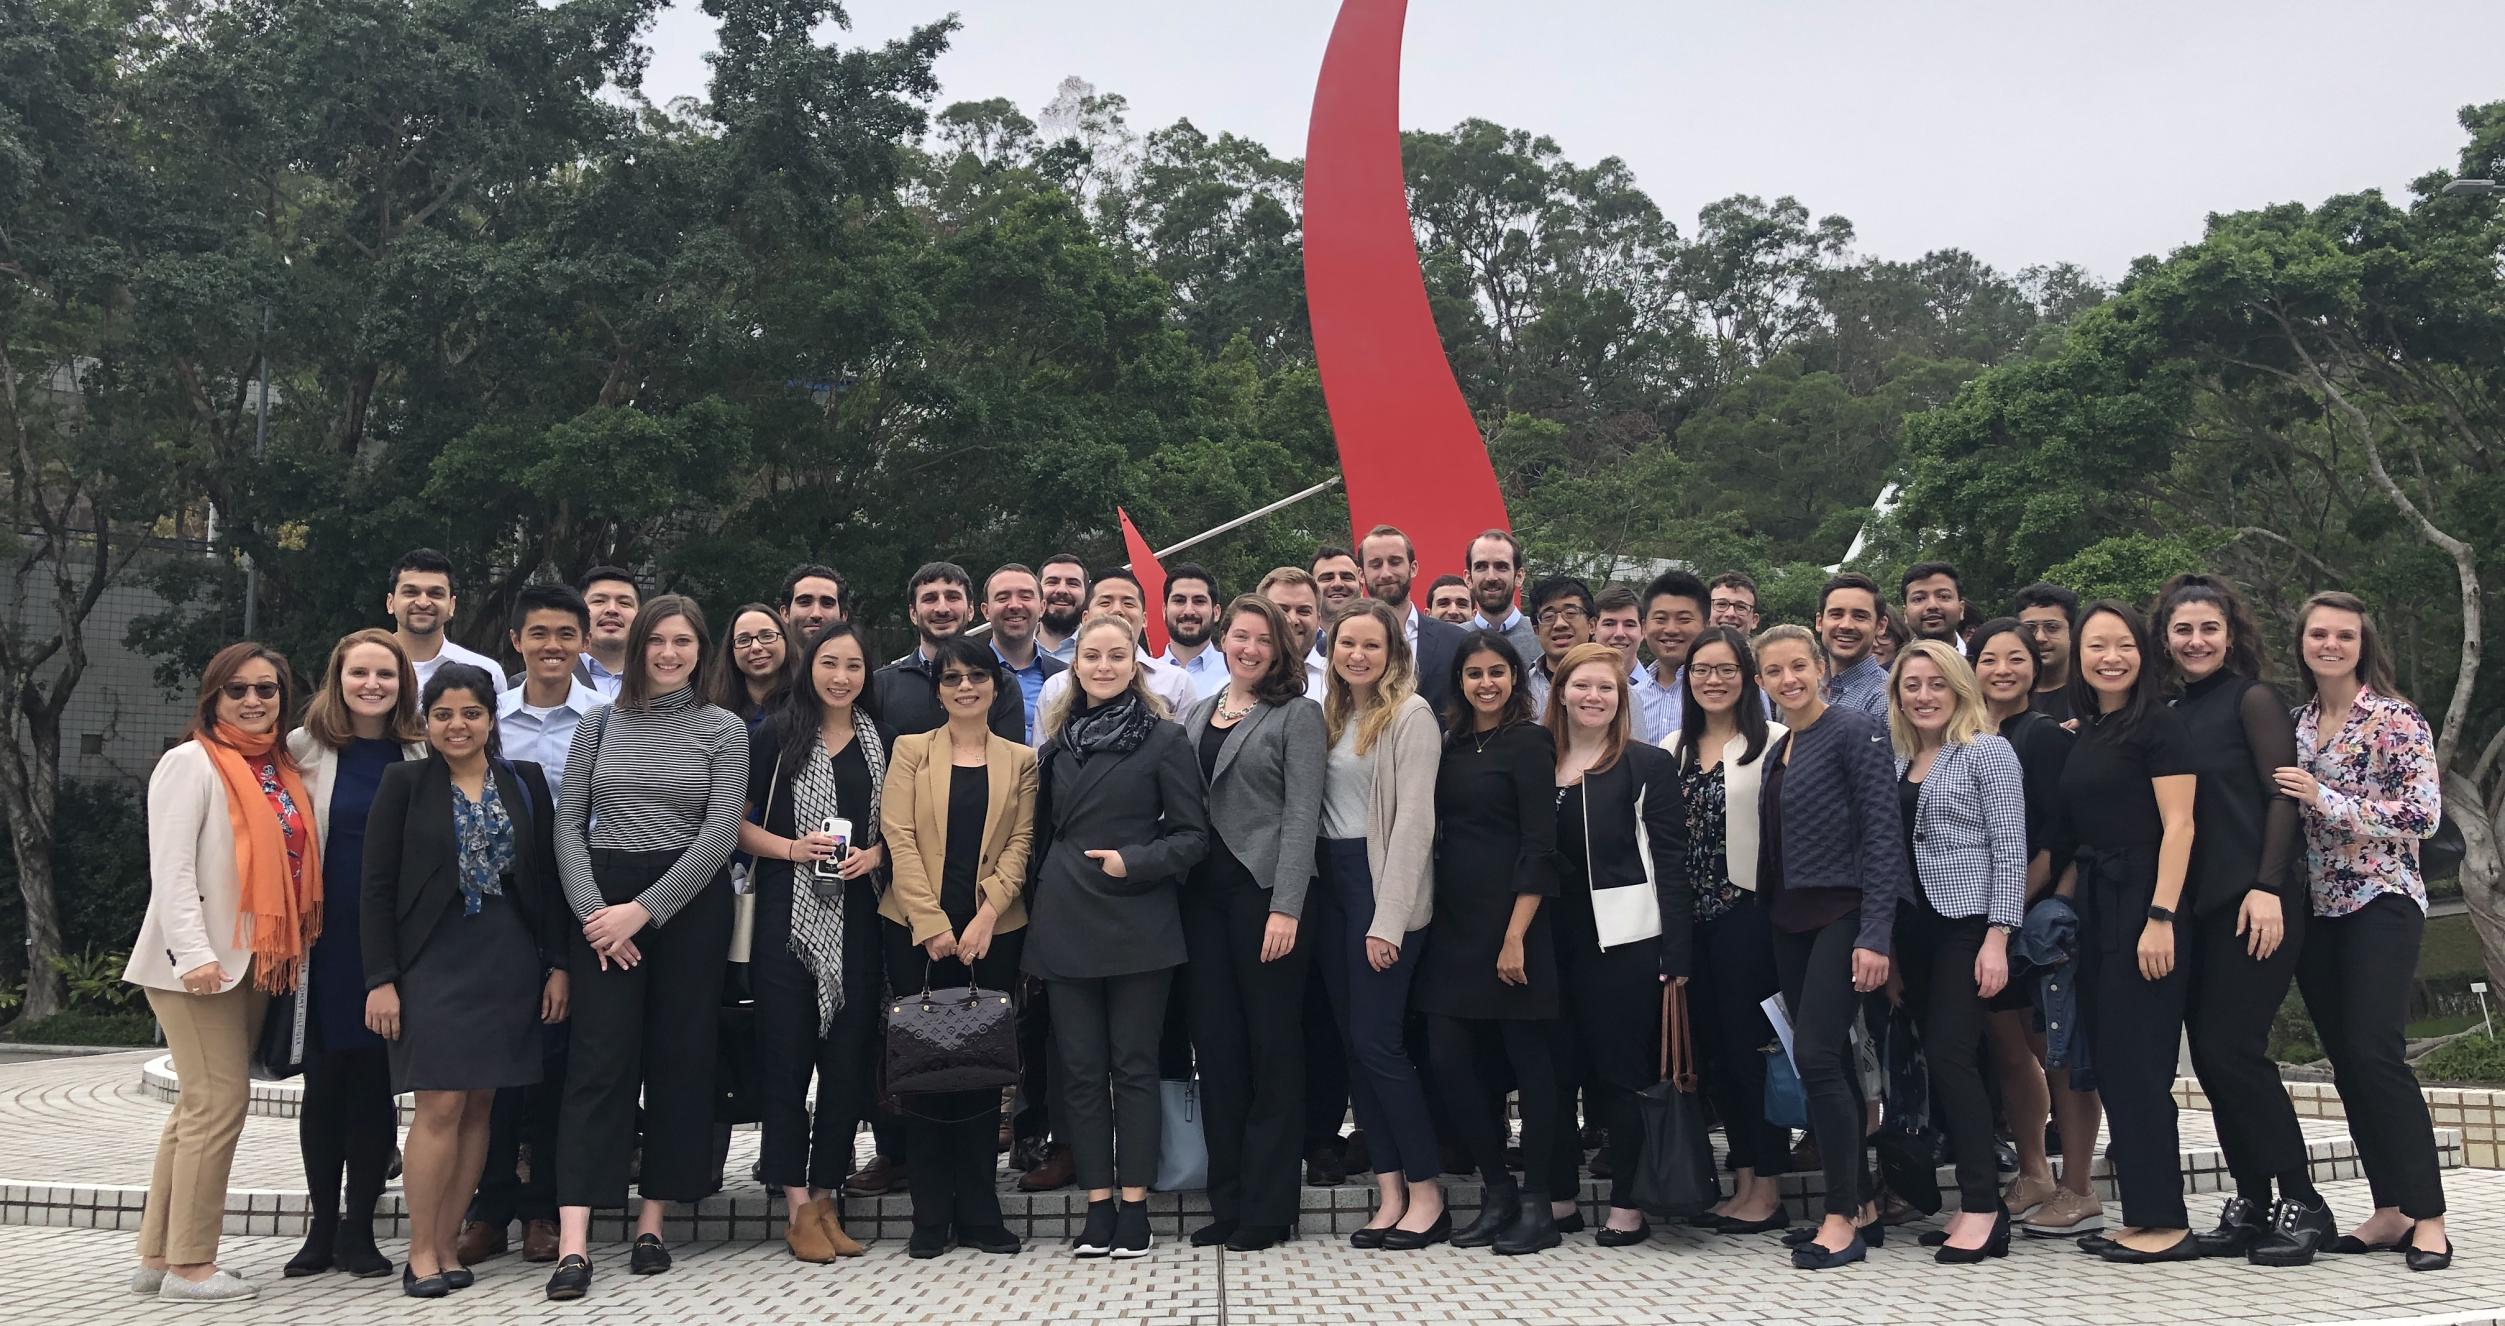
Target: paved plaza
[(88, 1126)]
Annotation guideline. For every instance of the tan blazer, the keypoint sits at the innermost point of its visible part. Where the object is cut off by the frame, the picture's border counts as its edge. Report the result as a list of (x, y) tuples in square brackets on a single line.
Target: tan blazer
[(319, 765), (193, 892), (913, 815)]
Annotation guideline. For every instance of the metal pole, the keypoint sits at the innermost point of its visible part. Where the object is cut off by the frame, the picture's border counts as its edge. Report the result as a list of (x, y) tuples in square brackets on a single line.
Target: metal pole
[(260, 447)]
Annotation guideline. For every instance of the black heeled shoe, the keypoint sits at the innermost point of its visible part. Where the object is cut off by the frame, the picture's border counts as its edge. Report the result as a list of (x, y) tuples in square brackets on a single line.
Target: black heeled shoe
[(1213, 1234), (1256, 1238), (2420, 1259), (1397, 1239), (2294, 1234), (2185, 1249), (1996, 1245), (571, 1280), (1534, 1230), (1497, 1209), (2241, 1228), (1608, 1237), (1811, 1257)]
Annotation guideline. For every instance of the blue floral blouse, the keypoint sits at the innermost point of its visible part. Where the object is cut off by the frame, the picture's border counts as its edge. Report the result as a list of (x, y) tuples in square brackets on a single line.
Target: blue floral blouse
[(2381, 794), (485, 834)]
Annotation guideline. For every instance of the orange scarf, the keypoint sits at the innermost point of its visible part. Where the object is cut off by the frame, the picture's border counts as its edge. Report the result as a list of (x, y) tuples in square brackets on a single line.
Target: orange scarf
[(279, 911)]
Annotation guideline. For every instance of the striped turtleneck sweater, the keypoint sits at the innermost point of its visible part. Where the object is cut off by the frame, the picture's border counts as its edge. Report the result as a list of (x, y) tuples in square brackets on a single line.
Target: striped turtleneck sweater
[(670, 777)]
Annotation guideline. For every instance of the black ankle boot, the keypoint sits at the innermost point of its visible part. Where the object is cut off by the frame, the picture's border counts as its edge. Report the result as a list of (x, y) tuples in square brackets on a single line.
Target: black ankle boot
[(1498, 1206), (2240, 1225), (318, 1253), (2297, 1232), (1533, 1229)]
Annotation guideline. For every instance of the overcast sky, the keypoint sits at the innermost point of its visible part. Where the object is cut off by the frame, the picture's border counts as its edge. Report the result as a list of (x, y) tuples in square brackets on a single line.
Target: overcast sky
[(2091, 131)]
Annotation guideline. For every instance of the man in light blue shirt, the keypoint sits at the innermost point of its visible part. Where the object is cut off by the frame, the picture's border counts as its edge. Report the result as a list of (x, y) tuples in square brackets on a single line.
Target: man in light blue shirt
[(1063, 582), (611, 597), (1850, 616), (1618, 622), (536, 720), (1191, 611), (1011, 603), (1676, 607)]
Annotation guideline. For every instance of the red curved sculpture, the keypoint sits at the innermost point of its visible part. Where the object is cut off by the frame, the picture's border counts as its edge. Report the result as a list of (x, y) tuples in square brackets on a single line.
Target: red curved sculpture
[(1409, 450)]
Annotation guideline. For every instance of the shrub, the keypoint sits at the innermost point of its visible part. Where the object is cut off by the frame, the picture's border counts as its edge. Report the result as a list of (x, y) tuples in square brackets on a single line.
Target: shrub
[(90, 1027), (2474, 1058)]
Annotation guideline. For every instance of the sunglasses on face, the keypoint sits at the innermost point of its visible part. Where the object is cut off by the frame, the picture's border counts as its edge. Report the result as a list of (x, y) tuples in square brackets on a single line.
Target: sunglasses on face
[(951, 680), (236, 690)]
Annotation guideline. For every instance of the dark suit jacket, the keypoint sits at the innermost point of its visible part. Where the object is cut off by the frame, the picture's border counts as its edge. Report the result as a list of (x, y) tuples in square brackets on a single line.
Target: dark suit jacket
[(1149, 805), (413, 862), (1438, 641), (907, 702), (1265, 801)]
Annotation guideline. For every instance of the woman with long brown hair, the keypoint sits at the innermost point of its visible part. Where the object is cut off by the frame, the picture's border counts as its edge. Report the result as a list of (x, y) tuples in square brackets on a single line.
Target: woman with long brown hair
[(234, 904), (757, 662)]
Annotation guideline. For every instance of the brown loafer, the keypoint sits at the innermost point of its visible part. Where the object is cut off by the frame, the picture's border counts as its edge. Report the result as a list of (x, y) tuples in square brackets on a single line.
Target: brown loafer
[(1059, 1170), (479, 1242), (882, 1175), (539, 1241)]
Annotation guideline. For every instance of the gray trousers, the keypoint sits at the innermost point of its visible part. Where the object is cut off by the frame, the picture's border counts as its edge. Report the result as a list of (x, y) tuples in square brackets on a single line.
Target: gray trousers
[(1105, 1033)]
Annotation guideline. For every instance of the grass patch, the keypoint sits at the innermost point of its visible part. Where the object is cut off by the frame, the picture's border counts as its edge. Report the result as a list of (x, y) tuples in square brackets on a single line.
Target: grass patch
[(89, 1027), (2450, 950)]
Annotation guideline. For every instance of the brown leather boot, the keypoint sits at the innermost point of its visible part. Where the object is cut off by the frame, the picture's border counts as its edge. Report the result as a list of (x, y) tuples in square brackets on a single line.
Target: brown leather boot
[(539, 1241), (882, 1175), (479, 1241), (830, 1222), (1059, 1170), (806, 1237)]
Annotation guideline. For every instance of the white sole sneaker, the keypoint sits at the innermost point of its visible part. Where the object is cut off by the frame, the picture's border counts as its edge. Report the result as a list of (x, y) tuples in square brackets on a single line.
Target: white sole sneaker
[(1125, 1254)]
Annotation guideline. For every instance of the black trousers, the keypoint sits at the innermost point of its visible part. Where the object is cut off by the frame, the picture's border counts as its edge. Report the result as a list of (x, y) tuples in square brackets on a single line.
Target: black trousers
[(347, 1124), (2233, 1002), (1326, 1057), (1033, 1120), (953, 1137), (800, 1149), (524, 1116), (2356, 972), (1608, 1039), (1462, 1050), (1106, 1032), (1248, 1039), (1816, 969), (1734, 976), (653, 1029), (2138, 1029), (1938, 954), (1372, 1009)]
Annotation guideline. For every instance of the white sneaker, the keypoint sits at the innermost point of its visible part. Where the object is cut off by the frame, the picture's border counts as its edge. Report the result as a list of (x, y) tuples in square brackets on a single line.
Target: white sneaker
[(221, 1287)]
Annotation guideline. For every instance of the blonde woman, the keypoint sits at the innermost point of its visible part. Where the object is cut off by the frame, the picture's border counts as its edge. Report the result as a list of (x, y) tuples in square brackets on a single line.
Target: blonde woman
[(1370, 914), (1965, 815)]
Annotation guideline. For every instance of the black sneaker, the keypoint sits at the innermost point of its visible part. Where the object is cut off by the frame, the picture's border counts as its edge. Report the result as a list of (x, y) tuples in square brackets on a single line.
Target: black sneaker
[(1096, 1237), (2297, 1232), (2240, 1226), (1130, 1230), (649, 1256)]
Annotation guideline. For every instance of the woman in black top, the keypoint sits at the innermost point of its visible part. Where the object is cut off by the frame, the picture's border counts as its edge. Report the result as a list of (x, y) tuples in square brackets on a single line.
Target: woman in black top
[(2245, 924), (2127, 798), (1835, 870), (1489, 984), (2005, 664), (1623, 918), (756, 664), (814, 957)]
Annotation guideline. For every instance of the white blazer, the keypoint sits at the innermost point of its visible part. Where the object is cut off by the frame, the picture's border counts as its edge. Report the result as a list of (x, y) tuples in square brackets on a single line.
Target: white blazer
[(1741, 784), (193, 891)]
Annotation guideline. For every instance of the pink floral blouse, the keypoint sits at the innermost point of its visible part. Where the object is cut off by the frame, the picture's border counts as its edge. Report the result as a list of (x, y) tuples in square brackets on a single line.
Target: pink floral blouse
[(2381, 794)]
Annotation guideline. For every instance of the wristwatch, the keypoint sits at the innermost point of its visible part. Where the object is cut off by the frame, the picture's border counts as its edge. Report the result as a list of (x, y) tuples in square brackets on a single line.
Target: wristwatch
[(2165, 914)]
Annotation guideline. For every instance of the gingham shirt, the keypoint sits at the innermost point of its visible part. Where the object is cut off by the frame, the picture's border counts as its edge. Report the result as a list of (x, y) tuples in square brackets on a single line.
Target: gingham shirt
[(1970, 831)]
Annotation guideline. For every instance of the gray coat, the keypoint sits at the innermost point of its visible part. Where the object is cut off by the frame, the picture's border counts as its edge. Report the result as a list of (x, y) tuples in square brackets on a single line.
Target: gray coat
[(1148, 805), (1265, 800)]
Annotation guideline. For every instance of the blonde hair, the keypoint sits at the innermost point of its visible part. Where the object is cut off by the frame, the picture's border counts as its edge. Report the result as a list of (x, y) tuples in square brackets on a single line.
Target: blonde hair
[(327, 719), (1553, 717), (1799, 635), (1968, 718), (1400, 678), (1057, 710)]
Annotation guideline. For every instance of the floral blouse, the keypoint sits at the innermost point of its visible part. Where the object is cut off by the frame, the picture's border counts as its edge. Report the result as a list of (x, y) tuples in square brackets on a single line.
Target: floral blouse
[(291, 823), (2381, 794), (1707, 868), (485, 833)]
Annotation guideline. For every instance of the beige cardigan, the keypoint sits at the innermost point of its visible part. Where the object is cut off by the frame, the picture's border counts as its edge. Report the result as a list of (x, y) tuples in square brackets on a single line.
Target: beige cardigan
[(320, 766), (193, 893), (1400, 821), (1741, 786)]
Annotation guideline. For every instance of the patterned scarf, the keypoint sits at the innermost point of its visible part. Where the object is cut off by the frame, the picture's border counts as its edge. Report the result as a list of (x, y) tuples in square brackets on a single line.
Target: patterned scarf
[(278, 911), (817, 928), (1117, 726)]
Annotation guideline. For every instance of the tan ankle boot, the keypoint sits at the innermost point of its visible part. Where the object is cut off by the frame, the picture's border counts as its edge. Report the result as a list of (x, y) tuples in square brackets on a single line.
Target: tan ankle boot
[(806, 1237), (822, 1213)]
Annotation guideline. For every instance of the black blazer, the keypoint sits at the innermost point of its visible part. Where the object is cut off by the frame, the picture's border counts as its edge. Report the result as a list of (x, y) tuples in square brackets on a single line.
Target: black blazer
[(413, 862), (1438, 641), (1082, 923), (1622, 847)]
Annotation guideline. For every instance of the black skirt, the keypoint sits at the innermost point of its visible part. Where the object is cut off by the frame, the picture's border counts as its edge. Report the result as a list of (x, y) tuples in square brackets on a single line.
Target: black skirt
[(469, 1004)]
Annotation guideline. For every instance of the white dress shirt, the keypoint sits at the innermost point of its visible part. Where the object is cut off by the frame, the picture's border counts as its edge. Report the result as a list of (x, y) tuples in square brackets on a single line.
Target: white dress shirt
[(453, 653)]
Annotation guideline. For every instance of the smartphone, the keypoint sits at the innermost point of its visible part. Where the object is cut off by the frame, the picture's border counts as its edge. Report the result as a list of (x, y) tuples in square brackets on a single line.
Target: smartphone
[(823, 880)]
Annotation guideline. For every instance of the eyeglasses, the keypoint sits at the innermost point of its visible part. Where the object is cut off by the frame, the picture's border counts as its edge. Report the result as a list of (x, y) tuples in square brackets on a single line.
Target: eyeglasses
[(236, 690), (952, 679), (1716, 672), (755, 638), (1569, 612)]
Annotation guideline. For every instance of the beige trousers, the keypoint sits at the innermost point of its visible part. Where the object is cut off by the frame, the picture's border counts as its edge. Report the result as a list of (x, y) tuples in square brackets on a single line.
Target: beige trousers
[(211, 1039)]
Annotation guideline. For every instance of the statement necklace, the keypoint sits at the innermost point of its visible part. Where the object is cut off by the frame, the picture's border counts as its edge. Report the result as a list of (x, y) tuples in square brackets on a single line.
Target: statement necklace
[(1230, 717)]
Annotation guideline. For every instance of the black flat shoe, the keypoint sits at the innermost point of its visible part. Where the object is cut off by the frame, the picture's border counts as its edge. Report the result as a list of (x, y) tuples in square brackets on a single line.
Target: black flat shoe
[(1217, 1232), (1497, 1209), (1623, 1238), (2350, 1245), (1254, 1238), (1705, 1219), (2094, 1245), (460, 1277), (2294, 1234), (1368, 1238), (2420, 1259), (926, 1243), (571, 1280), (2241, 1227), (649, 1256), (432, 1286), (1735, 1225), (1798, 1235), (1571, 1224), (1994, 1245), (1534, 1230), (1397, 1239), (1874, 1234), (1810, 1257), (994, 1239), (311, 1259), (2185, 1249)]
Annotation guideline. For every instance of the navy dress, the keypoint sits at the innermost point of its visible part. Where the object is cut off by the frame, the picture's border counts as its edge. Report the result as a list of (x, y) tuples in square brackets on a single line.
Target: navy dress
[(337, 979)]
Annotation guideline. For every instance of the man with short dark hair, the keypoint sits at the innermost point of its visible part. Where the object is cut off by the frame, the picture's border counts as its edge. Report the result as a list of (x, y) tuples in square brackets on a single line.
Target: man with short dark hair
[(813, 595), (1732, 602), (937, 602), (1935, 607), (2047, 611), (1389, 561), (1495, 566), (611, 597), (1561, 606), (1063, 582), (1011, 600), (1618, 622), (1851, 614), (421, 605), (1191, 613), (1676, 607), (1292, 591), (1336, 575), (1116, 593), (1448, 600)]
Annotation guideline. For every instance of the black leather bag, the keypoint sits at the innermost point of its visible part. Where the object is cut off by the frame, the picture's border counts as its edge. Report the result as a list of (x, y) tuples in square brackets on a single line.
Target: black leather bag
[(957, 1039), (1678, 1177)]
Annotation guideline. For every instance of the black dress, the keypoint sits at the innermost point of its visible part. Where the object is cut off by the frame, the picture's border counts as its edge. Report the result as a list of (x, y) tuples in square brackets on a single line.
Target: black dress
[(1495, 840)]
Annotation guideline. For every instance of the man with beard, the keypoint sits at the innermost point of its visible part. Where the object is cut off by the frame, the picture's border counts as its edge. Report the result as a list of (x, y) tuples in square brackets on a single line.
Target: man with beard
[(1064, 584), (1448, 600), (1011, 601), (1850, 616), (1337, 579), (1292, 591), (611, 597), (1561, 607), (1191, 610), (1734, 603), (1390, 561), (1495, 564), (1935, 603), (1676, 605), (421, 604), (813, 595), (2046, 610), (937, 604), (1116, 593)]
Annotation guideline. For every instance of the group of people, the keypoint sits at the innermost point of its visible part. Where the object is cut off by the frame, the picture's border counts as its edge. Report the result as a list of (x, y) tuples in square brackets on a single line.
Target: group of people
[(1329, 849)]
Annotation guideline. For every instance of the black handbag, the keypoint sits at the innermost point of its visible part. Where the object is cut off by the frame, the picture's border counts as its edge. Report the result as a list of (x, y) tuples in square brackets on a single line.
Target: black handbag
[(957, 1039), (287, 1033), (1677, 1177)]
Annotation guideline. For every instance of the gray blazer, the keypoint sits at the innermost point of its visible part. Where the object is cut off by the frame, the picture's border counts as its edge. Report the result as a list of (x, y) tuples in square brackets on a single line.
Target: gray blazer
[(1148, 805), (1265, 800), (1970, 831)]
